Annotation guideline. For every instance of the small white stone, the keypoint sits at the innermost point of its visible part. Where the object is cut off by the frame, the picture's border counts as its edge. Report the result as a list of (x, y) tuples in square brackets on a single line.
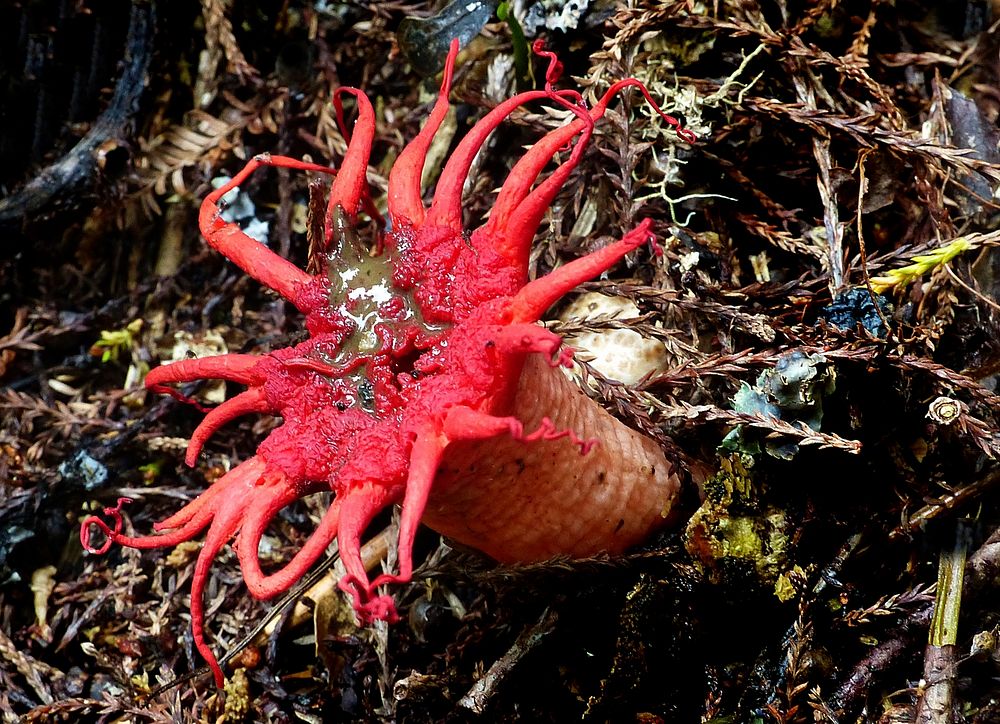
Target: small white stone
[(690, 260)]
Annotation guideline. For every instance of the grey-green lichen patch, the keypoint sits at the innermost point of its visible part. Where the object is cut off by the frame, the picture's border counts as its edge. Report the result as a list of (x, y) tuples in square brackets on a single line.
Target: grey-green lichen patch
[(793, 391)]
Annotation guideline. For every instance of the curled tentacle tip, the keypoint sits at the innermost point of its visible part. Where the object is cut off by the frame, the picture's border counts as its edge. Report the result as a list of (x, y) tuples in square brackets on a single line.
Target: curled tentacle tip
[(642, 234), (555, 69), (109, 532), (85, 526), (687, 134)]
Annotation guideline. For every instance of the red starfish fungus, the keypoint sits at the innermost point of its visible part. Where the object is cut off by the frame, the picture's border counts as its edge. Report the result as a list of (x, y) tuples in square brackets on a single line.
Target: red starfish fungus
[(424, 370)]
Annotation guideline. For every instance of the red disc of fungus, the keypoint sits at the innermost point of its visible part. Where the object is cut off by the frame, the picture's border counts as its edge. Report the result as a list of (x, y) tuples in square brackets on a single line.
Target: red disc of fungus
[(425, 380)]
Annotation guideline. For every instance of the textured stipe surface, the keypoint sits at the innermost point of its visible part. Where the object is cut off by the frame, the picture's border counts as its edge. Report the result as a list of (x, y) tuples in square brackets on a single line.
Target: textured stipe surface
[(521, 502)]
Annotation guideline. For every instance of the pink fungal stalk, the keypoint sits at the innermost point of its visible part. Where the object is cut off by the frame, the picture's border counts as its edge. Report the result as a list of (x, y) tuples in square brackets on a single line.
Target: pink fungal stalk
[(425, 380)]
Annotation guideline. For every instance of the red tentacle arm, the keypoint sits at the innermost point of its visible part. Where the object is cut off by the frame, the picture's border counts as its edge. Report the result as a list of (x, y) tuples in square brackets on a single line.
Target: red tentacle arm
[(246, 403), (446, 208), (425, 455), (249, 254), (515, 239), (220, 508), (226, 520), (231, 367), (524, 174), (194, 525), (189, 511), (524, 338), (516, 214), (530, 303), (685, 133), (465, 423), (510, 203), (405, 198), (357, 508), (349, 187), (260, 513)]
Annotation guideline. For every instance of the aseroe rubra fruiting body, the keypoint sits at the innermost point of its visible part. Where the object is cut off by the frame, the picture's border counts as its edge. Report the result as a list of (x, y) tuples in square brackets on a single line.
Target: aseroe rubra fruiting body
[(425, 380)]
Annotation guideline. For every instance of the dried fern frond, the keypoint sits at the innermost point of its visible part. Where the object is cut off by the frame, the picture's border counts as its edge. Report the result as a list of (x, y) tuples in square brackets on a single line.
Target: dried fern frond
[(219, 37), (200, 138)]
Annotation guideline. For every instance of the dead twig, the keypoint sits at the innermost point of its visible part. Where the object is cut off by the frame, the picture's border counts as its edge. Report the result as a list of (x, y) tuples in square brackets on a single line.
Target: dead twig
[(797, 431), (935, 698), (478, 697), (849, 695), (79, 164)]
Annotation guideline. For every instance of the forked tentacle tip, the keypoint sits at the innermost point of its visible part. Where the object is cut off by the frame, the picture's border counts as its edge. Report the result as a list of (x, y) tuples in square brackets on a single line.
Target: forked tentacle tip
[(547, 430), (562, 358), (642, 234), (377, 608), (367, 607)]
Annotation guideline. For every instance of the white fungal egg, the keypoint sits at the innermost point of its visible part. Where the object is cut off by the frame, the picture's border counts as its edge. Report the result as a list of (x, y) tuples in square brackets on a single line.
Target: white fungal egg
[(618, 354)]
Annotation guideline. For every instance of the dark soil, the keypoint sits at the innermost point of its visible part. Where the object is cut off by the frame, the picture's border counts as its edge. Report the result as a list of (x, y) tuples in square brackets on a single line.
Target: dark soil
[(835, 220)]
